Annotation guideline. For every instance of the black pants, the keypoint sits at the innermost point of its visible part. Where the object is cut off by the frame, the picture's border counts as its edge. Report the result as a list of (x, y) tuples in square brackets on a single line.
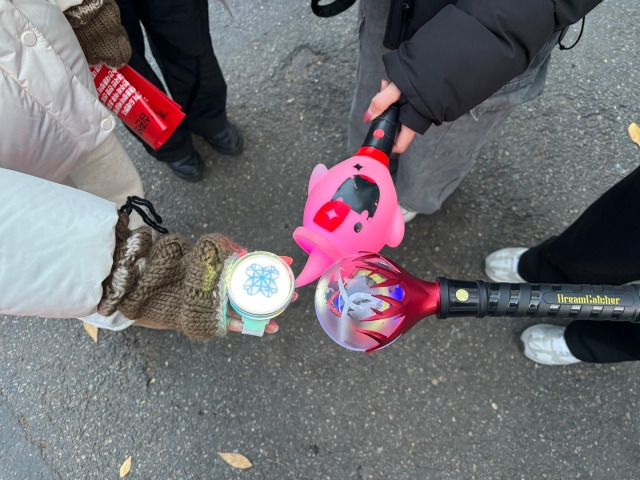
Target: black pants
[(603, 341), (601, 247), (178, 33)]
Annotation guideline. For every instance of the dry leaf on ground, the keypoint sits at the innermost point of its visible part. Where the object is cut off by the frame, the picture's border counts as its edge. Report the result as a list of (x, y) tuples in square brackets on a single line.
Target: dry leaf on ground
[(125, 468), (236, 460), (634, 133), (92, 330)]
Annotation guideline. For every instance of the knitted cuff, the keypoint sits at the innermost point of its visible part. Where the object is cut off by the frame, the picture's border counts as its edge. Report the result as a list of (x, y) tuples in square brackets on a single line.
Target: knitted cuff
[(202, 300), (102, 37), (175, 285), (222, 290), (128, 264)]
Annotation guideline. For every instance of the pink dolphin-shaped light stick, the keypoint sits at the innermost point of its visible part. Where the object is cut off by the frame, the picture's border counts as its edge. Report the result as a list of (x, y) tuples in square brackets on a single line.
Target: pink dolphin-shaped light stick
[(352, 206)]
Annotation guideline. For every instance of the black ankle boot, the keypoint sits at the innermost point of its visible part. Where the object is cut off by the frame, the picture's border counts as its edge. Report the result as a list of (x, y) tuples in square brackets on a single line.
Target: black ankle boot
[(190, 168), (228, 141)]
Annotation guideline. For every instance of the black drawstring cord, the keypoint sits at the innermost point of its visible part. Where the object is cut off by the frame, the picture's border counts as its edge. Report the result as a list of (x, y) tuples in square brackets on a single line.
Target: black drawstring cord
[(562, 47), (136, 203), (330, 9)]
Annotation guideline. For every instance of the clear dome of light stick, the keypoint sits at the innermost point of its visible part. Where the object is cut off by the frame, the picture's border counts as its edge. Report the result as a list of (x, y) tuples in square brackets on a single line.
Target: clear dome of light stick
[(358, 303)]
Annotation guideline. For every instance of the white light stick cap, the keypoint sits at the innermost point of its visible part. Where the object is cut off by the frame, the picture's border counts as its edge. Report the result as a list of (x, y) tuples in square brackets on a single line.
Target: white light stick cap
[(261, 286)]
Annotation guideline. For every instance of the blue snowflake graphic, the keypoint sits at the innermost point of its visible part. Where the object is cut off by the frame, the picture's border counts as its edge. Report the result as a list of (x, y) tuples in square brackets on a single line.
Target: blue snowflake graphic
[(261, 280)]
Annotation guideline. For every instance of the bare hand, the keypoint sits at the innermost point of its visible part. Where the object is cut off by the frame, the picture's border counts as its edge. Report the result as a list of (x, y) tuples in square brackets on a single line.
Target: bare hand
[(388, 95)]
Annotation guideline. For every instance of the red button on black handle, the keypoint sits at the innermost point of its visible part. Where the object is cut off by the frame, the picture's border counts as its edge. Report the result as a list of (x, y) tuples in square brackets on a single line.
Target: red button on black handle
[(383, 130)]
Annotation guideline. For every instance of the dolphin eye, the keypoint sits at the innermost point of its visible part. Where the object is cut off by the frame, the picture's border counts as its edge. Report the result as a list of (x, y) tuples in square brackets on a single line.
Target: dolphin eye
[(357, 227)]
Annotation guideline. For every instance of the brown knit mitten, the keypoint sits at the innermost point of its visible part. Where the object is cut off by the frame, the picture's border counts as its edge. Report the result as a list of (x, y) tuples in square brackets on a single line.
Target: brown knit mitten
[(169, 283), (102, 37)]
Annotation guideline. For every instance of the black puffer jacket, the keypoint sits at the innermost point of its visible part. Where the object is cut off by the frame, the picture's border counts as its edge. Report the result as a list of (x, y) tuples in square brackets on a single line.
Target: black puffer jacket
[(448, 56)]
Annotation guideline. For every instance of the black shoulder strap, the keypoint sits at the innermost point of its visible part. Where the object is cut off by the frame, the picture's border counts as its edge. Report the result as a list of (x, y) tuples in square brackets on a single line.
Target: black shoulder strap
[(330, 9)]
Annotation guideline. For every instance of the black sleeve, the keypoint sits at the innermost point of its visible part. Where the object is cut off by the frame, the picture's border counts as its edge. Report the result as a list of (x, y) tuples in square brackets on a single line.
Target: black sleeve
[(568, 12), (469, 50)]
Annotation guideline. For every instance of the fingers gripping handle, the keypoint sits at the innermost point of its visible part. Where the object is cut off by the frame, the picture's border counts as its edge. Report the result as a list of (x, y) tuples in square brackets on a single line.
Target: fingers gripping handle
[(578, 302)]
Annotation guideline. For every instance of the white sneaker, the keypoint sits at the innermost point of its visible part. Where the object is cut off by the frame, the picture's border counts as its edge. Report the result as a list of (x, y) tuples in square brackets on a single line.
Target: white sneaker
[(408, 215), (545, 344), (502, 265)]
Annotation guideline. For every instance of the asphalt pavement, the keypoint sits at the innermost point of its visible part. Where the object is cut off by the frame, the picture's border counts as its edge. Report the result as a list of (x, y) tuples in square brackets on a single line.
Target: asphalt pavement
[(452, 399)]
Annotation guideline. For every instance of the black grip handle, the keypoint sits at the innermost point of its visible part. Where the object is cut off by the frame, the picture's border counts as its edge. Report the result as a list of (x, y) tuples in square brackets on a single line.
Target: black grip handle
[(383, 130), (459, 298)]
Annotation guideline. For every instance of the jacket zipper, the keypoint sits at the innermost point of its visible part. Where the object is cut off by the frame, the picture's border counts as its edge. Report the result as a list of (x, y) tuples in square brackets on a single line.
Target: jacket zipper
[(407, 16)]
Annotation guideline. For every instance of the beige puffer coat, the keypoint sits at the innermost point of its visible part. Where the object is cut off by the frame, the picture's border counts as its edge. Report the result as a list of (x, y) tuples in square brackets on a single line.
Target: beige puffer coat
[(51, 116)]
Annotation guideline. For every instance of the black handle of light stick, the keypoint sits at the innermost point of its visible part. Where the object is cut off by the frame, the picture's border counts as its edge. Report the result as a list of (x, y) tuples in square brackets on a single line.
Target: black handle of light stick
[(459, 298), (383, 130)]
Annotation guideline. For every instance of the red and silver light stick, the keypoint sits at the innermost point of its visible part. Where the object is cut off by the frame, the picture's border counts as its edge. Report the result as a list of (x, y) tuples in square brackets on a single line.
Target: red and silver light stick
[(365, 302)]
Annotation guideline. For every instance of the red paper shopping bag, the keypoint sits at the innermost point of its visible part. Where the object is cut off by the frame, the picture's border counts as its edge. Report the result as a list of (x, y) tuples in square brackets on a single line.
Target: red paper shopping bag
[(138, 103)]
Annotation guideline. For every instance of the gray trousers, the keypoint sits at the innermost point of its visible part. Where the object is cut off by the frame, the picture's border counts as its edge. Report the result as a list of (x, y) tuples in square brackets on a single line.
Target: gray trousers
[(435, 163)]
